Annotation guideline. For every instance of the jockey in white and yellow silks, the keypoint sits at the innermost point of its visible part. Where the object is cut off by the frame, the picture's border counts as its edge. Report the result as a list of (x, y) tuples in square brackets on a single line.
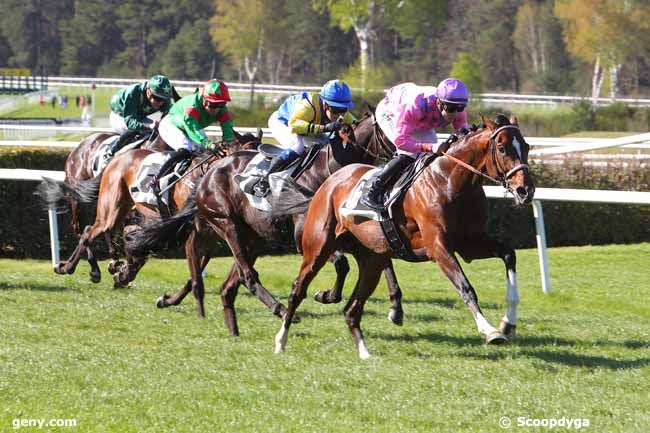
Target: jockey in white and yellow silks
[(306, 119)]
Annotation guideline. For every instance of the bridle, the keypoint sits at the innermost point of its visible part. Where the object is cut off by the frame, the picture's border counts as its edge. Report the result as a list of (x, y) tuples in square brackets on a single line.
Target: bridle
[(502, 176)]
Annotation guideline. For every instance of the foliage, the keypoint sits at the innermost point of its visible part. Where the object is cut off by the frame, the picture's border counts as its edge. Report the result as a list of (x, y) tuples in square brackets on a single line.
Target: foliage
[(467, 69), (113, 362)]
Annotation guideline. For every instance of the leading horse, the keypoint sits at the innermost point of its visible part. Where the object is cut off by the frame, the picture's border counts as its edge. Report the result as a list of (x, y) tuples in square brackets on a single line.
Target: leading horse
[(224, 207), (443, 213)]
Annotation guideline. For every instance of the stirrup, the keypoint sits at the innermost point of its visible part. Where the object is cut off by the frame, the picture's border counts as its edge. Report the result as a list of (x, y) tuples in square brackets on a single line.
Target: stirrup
[(261, 188)]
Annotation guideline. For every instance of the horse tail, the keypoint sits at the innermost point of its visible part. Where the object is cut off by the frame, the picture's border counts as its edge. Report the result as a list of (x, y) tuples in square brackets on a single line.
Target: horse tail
[(53, 193), (161, 233), (293, 199), (86, 191)]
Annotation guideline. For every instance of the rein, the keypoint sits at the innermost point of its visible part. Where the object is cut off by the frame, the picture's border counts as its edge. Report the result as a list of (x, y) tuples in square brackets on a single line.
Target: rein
[(502, 177)]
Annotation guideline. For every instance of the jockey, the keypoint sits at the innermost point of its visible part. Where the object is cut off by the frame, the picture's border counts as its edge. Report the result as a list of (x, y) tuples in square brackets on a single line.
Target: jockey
[(409, 115), (131, 106), (305, 119), (183, 131)]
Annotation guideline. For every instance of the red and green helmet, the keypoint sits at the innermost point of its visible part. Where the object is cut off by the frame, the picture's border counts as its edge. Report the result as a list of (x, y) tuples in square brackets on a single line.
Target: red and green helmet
[(216, 91)]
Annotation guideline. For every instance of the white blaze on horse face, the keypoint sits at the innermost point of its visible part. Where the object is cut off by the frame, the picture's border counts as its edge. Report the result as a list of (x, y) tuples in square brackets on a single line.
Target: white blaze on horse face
[(517, 146), (512, 298)]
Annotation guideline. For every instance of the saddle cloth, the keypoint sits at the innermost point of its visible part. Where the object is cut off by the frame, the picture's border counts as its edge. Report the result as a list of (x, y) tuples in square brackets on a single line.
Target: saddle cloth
[(140, 191), (101, 157), (256, 169)]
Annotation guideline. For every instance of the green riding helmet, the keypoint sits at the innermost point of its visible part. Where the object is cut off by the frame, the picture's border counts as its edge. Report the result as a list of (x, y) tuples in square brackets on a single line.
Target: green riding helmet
[(160, 86)]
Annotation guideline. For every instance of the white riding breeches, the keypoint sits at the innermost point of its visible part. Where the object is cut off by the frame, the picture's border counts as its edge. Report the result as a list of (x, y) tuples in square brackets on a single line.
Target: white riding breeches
[(388, 124), (288, 140), (174, 137)]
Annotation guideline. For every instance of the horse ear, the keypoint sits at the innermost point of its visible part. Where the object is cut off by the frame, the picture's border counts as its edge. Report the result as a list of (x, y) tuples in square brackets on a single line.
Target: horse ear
[(487, 122), (514, 120), (259, 134)]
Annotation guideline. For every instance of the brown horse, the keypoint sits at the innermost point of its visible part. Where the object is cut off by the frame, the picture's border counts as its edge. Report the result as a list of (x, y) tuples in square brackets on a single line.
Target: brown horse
[(444, 212), (110, 194), (78, 168), (248, 231)]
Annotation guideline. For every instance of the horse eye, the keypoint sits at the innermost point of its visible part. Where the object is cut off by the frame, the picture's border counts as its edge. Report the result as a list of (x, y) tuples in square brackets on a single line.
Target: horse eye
[(502, 150)]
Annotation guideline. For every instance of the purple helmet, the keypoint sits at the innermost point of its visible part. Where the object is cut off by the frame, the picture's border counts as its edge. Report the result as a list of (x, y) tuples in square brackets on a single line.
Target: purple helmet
[(453, 91)]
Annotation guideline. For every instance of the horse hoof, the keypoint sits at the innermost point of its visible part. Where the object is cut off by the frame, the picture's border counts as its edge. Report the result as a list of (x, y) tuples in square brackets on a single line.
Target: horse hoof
[(114, 267), (496, 338), (59, 268), (396, 315), (323, 297), (507, 329), (118, 283), (160, 302), (95, 277)]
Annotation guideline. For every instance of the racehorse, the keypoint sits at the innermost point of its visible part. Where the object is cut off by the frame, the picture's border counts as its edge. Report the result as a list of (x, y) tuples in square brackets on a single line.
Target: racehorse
[(221, 204), (443, 213), (111, 196), (79, 168)]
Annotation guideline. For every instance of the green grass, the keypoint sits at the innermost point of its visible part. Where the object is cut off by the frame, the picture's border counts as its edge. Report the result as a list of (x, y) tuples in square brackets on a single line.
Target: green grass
[(113, 362)]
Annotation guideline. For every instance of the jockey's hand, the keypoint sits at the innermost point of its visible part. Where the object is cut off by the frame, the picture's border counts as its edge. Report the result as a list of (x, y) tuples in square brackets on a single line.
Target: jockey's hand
[(427, 147), (154, 125), (332, 126), (474, 127), (463, 131)]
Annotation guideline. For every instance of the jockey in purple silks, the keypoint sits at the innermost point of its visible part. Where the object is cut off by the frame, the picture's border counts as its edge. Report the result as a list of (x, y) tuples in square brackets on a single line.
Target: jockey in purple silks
[(409, 115)]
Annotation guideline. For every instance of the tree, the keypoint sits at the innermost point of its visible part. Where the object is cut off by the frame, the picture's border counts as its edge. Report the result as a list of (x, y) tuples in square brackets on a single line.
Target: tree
[(603, 33), (467, 69), (361, 16), (245, 29), (543, 64)]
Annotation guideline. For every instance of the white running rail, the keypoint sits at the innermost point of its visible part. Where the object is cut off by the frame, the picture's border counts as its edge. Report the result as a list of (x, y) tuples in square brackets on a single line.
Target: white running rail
[(574, 195)]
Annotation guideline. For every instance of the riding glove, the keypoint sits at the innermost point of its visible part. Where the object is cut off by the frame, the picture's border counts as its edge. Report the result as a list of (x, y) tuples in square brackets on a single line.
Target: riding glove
[(332, 126)]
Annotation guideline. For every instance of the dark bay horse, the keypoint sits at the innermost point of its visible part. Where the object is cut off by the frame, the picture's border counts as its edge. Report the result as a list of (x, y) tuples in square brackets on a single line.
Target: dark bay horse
[(224, 207), (443, 213)]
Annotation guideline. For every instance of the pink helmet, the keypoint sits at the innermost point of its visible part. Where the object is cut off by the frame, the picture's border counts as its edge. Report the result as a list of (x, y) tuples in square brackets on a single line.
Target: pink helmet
[(453, 91)]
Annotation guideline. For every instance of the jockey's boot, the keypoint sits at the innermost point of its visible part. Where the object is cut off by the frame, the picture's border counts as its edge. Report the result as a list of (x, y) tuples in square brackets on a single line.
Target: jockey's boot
[(278, 163), (374, 199), (174, 158), (124, 138)]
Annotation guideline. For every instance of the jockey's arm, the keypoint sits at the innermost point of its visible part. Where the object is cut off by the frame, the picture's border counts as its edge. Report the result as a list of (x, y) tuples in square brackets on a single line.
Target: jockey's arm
[(192, 127), (131, 114), (460, 122), (303, 120), (227, 125)]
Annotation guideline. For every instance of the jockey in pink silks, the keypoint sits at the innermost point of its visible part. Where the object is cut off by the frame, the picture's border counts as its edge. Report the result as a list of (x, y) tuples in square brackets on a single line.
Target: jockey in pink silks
[(409, 115)]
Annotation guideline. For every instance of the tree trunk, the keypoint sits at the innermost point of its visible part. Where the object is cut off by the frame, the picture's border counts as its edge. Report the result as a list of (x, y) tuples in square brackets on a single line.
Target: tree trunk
[(613, 81), (596, 81)]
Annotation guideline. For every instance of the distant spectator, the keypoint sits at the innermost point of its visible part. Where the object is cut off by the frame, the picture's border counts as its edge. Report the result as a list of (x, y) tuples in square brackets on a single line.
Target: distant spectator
[(53, 101), (41, 100), (64, 101), (76, 100), (81, 101)]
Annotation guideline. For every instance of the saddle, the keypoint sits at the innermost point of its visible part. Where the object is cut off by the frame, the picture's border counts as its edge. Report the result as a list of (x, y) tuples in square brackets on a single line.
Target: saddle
[(150, 166), (102, 157), (259, 165), (353, 207)]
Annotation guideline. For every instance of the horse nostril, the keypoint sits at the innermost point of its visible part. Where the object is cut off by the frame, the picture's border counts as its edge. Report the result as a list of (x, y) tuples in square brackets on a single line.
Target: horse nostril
[(521, 191)]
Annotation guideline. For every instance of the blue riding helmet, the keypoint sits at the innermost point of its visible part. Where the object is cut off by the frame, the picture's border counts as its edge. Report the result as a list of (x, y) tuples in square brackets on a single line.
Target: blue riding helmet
[(337, 94)]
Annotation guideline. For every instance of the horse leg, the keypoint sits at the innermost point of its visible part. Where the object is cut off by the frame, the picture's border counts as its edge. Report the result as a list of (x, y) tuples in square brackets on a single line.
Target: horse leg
[(115, 264), (69, 266), (451, 268), (487, 247), (195, 262), (370, 268), (334, 295), (396, 313), (312, 262), (244, 251), (229, 290)]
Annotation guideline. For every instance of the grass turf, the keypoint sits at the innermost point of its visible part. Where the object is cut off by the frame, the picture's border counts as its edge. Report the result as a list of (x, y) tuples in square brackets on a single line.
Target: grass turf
[(110, 360)]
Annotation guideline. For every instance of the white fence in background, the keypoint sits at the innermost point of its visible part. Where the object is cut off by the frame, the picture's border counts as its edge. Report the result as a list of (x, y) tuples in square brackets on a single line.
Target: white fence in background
[(499, 98), (574, 195)]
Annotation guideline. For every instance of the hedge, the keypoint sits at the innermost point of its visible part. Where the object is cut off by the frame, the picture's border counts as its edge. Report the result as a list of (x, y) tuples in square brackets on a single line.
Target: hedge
[(24, 226)]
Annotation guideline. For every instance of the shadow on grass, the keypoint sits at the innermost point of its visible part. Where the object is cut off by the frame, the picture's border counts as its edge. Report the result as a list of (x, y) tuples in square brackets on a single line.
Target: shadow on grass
[(36, 287)]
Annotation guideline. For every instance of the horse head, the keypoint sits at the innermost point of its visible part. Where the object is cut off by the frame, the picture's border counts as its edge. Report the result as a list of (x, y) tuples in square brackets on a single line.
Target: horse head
[(507, 157), (367, 142)]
